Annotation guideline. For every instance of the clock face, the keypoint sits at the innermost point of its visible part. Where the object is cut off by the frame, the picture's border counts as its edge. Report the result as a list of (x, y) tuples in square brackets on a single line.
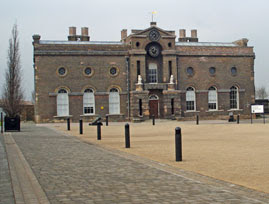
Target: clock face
[(154, 51), (154, 35)]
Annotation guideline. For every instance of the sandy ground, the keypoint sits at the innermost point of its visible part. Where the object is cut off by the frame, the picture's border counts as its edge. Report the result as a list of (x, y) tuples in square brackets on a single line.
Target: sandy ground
[(235, 153)]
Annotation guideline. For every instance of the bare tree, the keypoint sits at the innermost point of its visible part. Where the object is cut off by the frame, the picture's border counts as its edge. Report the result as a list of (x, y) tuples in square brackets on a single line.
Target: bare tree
[(261, 93), (12, 90)]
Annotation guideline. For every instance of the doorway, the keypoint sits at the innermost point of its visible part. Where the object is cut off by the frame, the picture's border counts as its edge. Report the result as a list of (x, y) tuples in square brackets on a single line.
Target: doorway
[(154, 106)]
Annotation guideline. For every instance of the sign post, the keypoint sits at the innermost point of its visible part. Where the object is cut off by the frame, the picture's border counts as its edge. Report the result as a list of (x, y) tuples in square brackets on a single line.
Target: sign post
[(257, 109)]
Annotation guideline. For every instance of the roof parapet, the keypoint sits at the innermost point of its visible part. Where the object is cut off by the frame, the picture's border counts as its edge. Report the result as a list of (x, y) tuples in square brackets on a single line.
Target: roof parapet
[(242, 42)]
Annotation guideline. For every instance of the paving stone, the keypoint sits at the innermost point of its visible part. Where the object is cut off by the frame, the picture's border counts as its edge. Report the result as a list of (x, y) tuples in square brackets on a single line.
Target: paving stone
[(6, 193), (71, 171)]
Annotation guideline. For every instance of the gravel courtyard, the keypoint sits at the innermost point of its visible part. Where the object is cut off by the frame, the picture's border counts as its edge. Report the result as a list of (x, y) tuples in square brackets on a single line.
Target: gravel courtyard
[(237, 153)]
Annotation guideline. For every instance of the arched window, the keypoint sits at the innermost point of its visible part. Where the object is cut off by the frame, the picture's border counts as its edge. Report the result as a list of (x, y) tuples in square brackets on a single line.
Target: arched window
[(114, 101), (62, 103), (212, 98), (190, 99), (88, 102), (234, 98)]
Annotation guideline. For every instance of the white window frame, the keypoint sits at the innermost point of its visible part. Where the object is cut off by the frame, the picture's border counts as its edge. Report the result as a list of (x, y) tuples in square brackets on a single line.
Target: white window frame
[(212, 98), (114, 101), (234, 99), (62, 103), (153, 73), (190, 99), (88, 102)]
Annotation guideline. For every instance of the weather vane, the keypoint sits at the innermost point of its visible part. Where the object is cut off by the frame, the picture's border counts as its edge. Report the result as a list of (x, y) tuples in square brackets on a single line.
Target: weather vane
[(152, 14)]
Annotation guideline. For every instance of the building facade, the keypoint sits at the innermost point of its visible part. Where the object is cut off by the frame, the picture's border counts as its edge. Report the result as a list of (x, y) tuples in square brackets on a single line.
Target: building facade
[(149, 72)]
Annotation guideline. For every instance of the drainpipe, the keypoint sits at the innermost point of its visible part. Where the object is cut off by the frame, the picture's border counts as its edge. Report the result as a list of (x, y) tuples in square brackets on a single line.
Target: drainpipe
[(128, 85), (177, 85)]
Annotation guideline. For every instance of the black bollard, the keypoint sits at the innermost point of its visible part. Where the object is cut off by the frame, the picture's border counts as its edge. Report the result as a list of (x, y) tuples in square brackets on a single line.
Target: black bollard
[(153, 119), (98, 130), (197, 119), (263, 118), (127, 136), (106, 120), (80, 126), (178, 141), (251, 118), (238, 119), (2, 123), (68, 124)]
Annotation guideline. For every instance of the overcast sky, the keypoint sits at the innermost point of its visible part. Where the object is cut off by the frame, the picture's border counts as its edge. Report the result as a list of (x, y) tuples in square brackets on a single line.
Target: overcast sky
[(215, 20)]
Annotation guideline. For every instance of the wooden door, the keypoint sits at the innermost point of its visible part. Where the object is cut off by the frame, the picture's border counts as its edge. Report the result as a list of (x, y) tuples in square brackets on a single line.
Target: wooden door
[(153, 108)]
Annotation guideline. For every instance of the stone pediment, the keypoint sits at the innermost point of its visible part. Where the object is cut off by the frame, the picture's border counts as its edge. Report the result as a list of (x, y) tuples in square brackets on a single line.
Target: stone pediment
[(153, 30)]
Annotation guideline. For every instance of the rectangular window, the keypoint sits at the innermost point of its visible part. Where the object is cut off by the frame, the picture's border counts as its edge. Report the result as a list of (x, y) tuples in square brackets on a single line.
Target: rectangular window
[(172, 106), (138, 67), (233, 99), (152, 75), (62, 104), (140, 107), (170, 69), (114, 103), (212, 99), (88, 110), (88, 103), (190, 105), (190, 100)]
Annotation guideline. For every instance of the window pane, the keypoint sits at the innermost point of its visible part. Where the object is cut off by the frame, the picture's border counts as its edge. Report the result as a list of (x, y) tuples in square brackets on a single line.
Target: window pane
[(114, 102), (88, 102), (62, 104), (152, 73), (233, 97), (190, 99)]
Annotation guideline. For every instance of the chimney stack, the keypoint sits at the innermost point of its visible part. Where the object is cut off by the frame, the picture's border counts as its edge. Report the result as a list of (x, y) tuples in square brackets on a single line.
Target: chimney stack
[(123, 34), (72, 31), (72, 34), (182, 33), (153, 23), (193, 36), (84, 34), (36, 38), (182, 36), (194, 33)]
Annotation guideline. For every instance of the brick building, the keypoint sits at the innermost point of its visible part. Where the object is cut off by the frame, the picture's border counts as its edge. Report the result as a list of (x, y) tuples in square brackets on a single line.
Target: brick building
[(148, 72)]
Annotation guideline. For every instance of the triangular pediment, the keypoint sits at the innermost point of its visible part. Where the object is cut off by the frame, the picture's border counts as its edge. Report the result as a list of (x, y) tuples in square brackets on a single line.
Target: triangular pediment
[(148, 30)]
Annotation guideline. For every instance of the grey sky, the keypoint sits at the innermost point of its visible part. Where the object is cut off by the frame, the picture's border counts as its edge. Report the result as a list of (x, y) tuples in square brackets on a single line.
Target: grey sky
[(215, 20)]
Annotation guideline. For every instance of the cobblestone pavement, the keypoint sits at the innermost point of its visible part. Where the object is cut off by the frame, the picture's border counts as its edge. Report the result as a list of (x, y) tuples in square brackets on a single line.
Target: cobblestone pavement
[(6, 193), (71, 171)]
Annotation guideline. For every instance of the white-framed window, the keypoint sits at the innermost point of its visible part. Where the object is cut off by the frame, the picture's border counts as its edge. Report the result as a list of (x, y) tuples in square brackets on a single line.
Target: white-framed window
[(62, 103), (234, 98), (212, 98), (88, 102), (190, 99), (153, 76), (114, 101)]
